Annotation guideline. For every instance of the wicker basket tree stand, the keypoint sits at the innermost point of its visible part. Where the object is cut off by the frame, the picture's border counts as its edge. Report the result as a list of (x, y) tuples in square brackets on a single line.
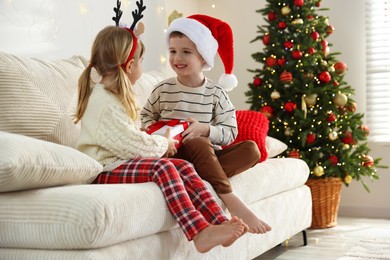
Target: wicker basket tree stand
[(326, 200)]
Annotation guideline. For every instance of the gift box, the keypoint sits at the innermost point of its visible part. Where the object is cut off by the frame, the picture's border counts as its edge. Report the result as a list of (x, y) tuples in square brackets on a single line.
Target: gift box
[(177, 128)]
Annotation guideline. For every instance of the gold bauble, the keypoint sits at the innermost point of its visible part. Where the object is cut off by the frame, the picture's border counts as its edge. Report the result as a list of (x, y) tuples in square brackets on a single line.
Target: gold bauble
[(288, 131), (333, 135), (345, 146), (297, 21), (311, 99), (318, 171), (275, 94), (340, 99), (286, 10), (348, 179)]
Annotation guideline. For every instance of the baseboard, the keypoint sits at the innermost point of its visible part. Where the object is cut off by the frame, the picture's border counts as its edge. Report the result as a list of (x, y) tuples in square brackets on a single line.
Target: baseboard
[(364, 212)]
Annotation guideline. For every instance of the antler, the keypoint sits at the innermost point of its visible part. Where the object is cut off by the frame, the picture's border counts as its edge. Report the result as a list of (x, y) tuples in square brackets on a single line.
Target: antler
[(118, 13), (137, 14)]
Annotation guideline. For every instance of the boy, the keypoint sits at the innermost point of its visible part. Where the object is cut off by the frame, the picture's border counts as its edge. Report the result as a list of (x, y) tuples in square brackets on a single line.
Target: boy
[(193, 43)]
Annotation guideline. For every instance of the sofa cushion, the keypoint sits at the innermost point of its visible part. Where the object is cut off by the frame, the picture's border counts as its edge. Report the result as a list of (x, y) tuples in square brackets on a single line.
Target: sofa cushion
[(38, 97), (146, 83), (93, 216), (252, 125), (28, 163), (274, 146)]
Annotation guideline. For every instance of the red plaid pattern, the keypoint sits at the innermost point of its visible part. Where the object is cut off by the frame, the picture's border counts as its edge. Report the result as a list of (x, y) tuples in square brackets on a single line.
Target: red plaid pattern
[(187, 197)]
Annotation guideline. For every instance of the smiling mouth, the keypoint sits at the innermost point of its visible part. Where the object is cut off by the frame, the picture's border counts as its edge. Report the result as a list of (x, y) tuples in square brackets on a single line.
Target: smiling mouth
[(180, 66)]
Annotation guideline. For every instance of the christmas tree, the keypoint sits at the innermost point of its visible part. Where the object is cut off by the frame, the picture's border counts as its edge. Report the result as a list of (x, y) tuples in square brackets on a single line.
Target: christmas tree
[(300, 88)]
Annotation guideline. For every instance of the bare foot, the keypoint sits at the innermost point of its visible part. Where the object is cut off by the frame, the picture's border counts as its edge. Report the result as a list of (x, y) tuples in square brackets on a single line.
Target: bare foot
[(235, 219), (214, 235), (238, 208), (256, 225)]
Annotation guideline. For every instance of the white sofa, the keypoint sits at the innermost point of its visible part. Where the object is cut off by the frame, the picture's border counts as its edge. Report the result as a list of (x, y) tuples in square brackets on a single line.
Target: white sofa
[(49, 211)]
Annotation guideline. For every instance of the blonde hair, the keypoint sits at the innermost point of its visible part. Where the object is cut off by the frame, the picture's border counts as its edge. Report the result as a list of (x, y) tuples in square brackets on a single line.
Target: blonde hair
[(110, 51)]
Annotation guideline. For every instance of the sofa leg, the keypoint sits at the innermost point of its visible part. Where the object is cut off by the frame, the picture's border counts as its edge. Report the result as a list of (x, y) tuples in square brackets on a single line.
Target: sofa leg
[(304, 235)]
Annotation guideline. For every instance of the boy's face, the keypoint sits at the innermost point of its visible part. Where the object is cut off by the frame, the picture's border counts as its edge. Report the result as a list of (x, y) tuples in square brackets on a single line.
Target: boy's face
[(184, 58)]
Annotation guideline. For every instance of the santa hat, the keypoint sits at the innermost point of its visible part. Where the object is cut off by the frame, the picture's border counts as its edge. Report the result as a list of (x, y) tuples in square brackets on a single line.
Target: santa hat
[(209, 36)]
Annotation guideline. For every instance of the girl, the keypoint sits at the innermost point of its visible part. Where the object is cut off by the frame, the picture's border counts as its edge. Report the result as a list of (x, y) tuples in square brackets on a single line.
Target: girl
[(109, 134)]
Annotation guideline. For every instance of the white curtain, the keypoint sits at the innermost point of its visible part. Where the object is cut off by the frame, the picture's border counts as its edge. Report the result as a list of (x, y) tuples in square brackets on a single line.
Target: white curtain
[(378, 69)]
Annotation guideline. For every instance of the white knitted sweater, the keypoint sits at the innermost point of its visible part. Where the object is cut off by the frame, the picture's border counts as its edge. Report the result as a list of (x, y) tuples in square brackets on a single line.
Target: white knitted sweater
[(110, 136)]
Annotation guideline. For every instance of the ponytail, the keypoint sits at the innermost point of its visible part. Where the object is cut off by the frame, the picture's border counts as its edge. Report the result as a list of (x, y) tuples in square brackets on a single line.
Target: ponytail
[(84, 91), (126, 94)]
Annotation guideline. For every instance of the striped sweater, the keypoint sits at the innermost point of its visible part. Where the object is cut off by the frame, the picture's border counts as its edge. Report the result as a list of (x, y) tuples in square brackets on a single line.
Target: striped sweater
[(209, 104)]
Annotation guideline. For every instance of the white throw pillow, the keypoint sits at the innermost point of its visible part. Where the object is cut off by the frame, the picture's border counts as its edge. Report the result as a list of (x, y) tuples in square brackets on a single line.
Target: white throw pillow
[(274, 146), (38, 97), (29, 163), (147, 82)]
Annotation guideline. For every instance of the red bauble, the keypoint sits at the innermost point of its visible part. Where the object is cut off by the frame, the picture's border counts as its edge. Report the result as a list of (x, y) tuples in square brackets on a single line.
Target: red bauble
[(368, 161), (333, 159), (352, 107), (257, 81), (325, 77), (329, 29), (290, 107), (315, 35), (366, 129), (281, 62), (296, 54), (266, 39), (272, 16), (286, 77), (271, 62), (336, 83), (310, 17), (347, 138), (311, 50), (325, 47), (294, 154), (268, 111), (288, 45), (282, 25), (310, 138), (298, 3), (340, 67), (331, 118)]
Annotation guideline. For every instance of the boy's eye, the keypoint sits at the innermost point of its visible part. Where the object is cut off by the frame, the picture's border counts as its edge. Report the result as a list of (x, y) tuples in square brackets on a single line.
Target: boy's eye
[(172, 51)]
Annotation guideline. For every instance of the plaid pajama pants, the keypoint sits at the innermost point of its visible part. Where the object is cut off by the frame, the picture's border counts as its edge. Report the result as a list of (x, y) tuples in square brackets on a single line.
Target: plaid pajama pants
[(187, 197)]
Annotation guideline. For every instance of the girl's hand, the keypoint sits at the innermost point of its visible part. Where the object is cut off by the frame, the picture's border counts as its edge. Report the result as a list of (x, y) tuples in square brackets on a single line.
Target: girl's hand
[(171, 151), (195, 129)]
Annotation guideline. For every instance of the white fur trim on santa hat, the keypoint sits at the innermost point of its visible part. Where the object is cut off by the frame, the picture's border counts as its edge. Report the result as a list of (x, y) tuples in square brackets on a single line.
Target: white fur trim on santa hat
[(200, 35), (228, 81)]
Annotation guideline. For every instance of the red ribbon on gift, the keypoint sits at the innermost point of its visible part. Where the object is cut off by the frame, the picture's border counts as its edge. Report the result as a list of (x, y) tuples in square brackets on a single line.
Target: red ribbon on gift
[(157, 125), (170, 123)]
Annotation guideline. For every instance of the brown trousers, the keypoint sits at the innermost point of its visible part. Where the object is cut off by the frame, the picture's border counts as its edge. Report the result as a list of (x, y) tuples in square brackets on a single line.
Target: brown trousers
[(216, 166)]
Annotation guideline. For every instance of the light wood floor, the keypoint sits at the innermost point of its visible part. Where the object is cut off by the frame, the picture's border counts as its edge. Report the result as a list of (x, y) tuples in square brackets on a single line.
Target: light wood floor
[(330, 243)]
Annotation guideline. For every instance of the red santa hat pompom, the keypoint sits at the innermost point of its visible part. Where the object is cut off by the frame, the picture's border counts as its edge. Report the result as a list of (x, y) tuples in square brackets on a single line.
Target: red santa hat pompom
[(210, 35)]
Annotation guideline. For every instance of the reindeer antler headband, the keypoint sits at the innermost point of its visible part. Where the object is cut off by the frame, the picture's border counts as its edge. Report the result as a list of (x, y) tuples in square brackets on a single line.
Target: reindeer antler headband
[(135, 32)]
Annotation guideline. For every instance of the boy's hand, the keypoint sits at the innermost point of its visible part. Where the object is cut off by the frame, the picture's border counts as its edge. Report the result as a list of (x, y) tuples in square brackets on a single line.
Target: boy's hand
[(195, 129), (171, 151)]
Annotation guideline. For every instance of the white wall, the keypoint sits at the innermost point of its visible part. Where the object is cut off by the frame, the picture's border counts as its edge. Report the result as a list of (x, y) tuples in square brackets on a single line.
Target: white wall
[(60, 29)]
